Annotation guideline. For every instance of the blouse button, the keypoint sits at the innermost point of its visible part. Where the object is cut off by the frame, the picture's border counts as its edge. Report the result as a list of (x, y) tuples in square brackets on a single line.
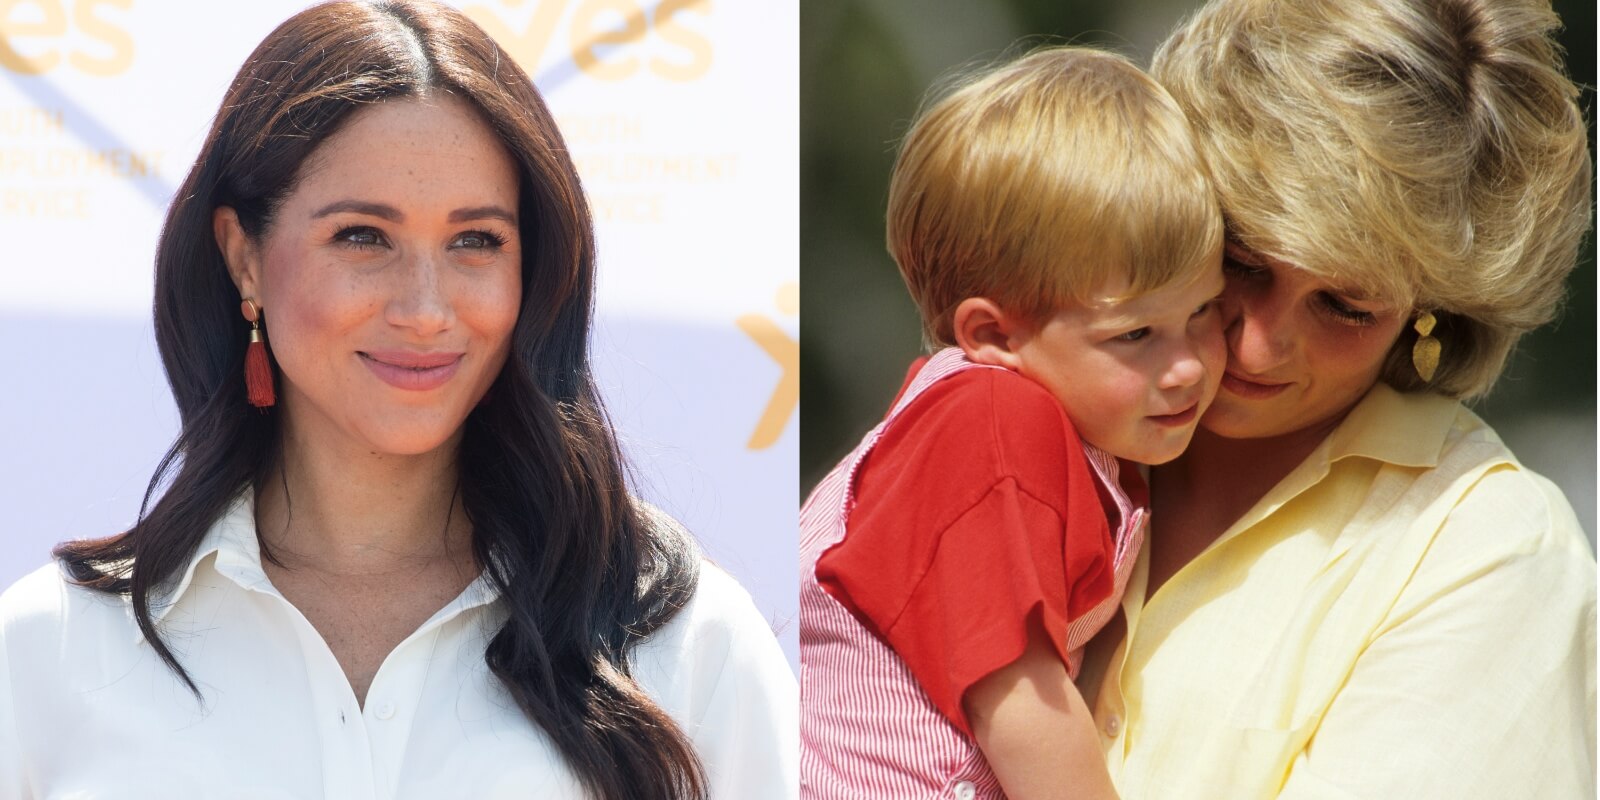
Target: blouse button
[(1113, 724), (965, 790), (386, 711)]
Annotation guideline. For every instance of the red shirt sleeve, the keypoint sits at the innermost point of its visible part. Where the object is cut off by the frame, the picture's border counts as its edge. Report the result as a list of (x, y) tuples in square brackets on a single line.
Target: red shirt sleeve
[(976, 510)]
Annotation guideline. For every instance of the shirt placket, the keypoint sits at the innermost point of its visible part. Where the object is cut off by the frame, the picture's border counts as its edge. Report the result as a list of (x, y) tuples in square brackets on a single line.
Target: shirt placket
[(1111, 704), (392, 702), (363, 749), (346, 748)]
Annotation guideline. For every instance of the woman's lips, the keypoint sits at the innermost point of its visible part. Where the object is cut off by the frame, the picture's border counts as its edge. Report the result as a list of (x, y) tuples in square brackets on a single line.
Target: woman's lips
[(1249, 389), (415, 372), (1183, 417)]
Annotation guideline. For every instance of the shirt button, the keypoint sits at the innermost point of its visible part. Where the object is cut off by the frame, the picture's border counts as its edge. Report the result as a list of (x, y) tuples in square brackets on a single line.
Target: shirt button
[(386, 711), (965, 790), (1113, 724)]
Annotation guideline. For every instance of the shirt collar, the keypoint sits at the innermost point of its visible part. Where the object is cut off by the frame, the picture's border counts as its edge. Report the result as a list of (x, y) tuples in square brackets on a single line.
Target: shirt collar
[(232, 538), (1408, 430)]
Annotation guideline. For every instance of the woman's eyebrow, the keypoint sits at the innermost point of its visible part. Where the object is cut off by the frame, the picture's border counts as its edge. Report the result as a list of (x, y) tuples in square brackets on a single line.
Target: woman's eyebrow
[(483, 212), (393, 214), (361, 207)]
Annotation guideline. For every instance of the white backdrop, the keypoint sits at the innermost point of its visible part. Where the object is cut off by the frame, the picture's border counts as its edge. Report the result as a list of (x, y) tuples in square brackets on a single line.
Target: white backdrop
[(682, 116)]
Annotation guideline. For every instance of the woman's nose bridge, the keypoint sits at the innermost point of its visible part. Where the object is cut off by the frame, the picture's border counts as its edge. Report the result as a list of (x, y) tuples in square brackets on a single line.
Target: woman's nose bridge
[(1259, 321), (418, 294)]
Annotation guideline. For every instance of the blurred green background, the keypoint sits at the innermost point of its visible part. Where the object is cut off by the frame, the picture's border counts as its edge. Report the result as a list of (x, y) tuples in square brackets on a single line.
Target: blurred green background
[(865, 65)]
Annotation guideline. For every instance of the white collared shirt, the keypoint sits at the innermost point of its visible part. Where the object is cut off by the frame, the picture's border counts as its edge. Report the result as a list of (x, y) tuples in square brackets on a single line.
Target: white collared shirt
[(87, 709)]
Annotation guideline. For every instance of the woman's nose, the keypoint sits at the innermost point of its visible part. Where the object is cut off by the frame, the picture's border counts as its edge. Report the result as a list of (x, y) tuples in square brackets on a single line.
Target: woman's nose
[(419, 301), (1257, 329)]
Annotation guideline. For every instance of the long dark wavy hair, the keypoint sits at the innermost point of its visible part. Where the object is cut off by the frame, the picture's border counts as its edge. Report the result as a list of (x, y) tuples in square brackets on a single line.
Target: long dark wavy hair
[(585, 571)]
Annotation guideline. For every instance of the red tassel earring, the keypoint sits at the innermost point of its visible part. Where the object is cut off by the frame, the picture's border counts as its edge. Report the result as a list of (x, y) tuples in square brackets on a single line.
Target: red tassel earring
[(257, 372)]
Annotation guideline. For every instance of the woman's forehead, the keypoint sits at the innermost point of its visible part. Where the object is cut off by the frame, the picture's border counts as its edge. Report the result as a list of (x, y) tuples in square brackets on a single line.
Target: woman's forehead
[(409, 152), (1349, 284)]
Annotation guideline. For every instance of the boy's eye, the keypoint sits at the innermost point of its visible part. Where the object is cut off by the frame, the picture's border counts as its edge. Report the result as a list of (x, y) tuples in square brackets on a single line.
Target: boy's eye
[(1134, 335), (1204, 307)]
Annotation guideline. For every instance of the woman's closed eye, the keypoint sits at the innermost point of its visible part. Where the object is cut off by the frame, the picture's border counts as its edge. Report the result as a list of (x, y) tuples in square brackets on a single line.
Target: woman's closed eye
[(1344, 312), (1235, 268)]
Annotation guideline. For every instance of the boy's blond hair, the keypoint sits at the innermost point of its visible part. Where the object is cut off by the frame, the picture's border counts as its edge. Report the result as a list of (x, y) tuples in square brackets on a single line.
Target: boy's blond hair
[(1043, 181), (1429, 153)]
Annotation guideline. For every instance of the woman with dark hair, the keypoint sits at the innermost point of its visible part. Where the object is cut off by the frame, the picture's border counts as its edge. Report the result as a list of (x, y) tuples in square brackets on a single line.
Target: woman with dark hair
[(395, 554), (1352, 588)]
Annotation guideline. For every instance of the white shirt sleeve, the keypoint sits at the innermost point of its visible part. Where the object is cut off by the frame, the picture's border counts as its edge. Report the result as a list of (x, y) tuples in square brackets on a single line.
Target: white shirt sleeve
[(11, 780), (718, 670), (1481, 683)]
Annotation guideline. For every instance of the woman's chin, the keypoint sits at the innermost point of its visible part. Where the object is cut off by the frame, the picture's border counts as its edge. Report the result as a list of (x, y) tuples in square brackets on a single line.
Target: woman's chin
[(407, 434), (1231, 420)]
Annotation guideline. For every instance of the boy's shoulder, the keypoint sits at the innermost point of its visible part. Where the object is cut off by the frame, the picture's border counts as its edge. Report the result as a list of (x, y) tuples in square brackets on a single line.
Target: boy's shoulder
[(990, 420), (993, 397)]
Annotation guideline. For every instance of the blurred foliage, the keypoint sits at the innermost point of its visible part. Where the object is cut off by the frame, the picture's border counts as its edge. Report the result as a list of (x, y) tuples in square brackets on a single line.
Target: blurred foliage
[(865, 66)]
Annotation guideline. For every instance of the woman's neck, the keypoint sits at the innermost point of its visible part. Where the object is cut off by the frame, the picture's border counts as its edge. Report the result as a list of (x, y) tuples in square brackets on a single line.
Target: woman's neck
[(1239, 472), (1196, 498), (348, 512)]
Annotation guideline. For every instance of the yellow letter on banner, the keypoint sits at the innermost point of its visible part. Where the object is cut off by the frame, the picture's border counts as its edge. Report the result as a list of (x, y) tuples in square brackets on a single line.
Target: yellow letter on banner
[(698, 46), (784, 350), (121, 43), (585, 37), (528, 46), (54, 25)]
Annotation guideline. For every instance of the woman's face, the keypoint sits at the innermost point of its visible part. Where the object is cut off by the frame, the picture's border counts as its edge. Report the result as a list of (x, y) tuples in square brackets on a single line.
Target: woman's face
[(1301, 351), (390, 279)]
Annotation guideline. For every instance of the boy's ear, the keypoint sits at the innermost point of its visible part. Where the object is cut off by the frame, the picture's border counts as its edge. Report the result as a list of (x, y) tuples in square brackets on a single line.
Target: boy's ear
[(239, 251), (987, 334)]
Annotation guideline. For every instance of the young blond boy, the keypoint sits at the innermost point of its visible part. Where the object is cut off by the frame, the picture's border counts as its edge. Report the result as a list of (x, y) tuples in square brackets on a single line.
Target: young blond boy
[(1060, 237)]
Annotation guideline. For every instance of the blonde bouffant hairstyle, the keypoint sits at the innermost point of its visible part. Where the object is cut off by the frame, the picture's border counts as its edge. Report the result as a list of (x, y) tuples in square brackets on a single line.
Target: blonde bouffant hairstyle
[(1429, 153), (1045, 180)]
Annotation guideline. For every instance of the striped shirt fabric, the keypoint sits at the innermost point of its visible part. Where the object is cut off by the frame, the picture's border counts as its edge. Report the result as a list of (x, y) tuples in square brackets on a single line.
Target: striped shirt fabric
[(868, 730)]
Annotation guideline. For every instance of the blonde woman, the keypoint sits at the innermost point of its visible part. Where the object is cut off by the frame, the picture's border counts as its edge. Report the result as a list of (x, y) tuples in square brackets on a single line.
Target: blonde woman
[(1352, 589)]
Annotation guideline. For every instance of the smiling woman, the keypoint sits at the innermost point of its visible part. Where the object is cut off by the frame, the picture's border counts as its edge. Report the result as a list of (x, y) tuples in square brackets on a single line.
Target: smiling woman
[(392, 275), (393, 545)]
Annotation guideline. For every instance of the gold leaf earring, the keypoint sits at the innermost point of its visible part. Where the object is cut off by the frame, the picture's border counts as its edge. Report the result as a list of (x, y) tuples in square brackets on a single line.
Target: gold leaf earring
[(1425, 353)]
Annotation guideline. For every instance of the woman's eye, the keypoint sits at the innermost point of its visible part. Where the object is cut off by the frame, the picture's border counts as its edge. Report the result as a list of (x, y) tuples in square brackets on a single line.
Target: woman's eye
[(360, 237), (480, 240), (1344, 312), (1134, 335), (1239, 269)]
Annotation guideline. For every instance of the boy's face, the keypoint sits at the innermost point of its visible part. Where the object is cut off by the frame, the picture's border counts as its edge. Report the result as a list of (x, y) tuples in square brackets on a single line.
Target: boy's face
[(1134, 376)]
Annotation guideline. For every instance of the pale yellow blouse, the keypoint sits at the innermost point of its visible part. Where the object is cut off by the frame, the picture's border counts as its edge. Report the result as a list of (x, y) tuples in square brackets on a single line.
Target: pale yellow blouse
[(1409, 614)]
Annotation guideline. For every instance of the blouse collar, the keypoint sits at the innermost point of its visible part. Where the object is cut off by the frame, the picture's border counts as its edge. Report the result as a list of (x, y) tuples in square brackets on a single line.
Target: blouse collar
[(232, 539), (1407, 430)]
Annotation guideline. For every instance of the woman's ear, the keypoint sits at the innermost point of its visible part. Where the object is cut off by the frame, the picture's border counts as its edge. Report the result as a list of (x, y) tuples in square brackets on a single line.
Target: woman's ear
[(987, 334), (239, 251)]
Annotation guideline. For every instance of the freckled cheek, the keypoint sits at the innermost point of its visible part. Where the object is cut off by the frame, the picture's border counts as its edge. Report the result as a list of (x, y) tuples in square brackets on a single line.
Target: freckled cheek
[(490, 309), (313, 312)]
